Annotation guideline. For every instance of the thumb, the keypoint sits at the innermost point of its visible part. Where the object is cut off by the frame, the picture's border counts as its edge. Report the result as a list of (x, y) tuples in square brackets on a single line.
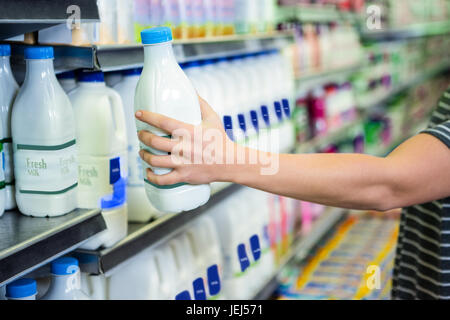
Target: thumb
[(206, 109)]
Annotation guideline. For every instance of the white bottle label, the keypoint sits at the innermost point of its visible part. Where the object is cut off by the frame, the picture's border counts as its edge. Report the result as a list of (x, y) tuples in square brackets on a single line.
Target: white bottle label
[(9, 174), (46, 169)]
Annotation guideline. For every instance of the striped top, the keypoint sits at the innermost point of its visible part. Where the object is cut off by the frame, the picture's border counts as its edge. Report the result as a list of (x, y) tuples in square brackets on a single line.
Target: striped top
[(422, 263)]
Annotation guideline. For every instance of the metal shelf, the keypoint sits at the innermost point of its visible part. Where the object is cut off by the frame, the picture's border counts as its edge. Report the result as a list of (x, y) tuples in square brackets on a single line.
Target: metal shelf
[(145, 235), (22, 16), (302, 247), (120, 57), (27, 243), (415, 31)]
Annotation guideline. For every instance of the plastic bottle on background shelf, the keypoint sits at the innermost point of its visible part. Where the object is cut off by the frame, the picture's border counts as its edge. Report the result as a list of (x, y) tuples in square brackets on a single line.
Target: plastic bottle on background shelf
[(113, 78), (66, 281), (101, 138), (317, 112), (107, 27), (141, 17), (8, 92), (125, 15), (67, 81), (22, 289), (186, 266), (139, 207), (171, 16), (164, 88), (43, 132), (136, 279), (209, 21), (167, 271)]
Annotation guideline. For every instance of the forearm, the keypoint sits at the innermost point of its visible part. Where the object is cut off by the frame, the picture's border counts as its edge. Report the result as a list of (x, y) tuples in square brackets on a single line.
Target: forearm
[(342, 180)]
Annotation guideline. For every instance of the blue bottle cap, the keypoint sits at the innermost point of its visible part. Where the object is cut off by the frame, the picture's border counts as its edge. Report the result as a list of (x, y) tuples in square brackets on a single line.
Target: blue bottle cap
[(21, 288), (5, 50), (118, 198), (208, 62), (132, 72), (66, 75), (89, 76), (64, 266), (39, 53), (156, 35)]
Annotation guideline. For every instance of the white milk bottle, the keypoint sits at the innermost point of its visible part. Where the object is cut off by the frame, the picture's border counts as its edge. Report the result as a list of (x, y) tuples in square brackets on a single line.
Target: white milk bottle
[(101, 138), (186, 267), (22, 289), (67, 81), (167, 271), (43, 132), (8, 91), (164, 88), (136, 279), (139, 207), (66, 282)]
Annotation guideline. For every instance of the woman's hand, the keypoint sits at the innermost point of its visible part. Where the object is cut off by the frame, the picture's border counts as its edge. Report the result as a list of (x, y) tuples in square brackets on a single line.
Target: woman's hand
[(197, 154)]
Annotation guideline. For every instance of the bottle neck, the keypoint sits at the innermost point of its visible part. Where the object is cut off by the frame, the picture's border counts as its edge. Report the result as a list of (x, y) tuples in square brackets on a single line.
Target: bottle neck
[(5, 67), (86, 84), (159, 54), (39, 70)]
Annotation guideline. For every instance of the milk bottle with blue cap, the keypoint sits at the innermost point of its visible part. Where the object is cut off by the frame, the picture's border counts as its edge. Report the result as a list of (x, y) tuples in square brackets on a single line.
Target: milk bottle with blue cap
[(101, 138), (139, 207), (43, 134), (164, 88), (22, 289), (67, 81), (66, 281), (8, 91)]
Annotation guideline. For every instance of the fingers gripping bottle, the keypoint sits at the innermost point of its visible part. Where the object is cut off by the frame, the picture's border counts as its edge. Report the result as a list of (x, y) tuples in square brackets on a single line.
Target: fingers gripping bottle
[(164, 88)]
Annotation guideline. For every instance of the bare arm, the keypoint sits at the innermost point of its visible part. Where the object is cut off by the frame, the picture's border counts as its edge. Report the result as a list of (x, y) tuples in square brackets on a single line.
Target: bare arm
[(416, 172)]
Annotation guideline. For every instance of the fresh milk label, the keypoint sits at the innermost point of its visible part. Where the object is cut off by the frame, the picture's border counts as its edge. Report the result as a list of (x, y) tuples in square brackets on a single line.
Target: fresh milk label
[(46, 169)]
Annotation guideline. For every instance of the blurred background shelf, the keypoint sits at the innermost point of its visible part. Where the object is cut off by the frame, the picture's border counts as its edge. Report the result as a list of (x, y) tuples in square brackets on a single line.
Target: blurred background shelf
[(302, 247), (14, 20), (416, 31), (145, 235), (27, 243)]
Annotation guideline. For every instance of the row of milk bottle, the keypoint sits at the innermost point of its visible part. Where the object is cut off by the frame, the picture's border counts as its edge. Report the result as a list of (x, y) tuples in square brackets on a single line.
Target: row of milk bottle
[(253, 94)]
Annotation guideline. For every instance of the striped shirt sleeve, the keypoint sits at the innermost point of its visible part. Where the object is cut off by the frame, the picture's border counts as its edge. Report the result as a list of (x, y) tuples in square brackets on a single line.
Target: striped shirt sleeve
[(442, 132)]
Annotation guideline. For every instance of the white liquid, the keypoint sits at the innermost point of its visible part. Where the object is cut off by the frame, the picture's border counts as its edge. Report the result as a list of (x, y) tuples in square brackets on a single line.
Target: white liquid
[(139, 207), (66, 287), (164, 88), (43, 132), (101, 140), (8, 91)]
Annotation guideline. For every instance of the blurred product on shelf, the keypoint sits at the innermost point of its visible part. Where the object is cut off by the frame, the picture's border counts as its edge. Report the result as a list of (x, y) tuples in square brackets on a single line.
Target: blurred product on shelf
[(320, 48), (67, 80), (44, 137), (139, 207), (165, 89), (343, 265), (393, 64), (66, 281), (8, 92)]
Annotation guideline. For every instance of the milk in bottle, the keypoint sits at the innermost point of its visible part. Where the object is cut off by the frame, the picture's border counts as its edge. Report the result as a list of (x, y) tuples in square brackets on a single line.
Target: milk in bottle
[(139, 207), (164, 88), (101, 138), (43, 134), (8, 91)]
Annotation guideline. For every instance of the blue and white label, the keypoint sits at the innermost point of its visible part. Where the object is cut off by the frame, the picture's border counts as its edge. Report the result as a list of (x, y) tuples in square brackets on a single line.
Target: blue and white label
[(185, 295), (278, 110), (255, 246), (265, 115), (199, 289), (243, 258), (254, 118), (213, 280), (114, 170), (286, 107), (242, 124), (228, 125)]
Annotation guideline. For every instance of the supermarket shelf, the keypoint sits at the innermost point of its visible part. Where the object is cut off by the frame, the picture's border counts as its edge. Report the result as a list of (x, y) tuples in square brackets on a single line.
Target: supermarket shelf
[(27, 243), (145, 235), (314, 13), (119, 57), (409, 84), (18, 17), (302, 247), (421, 30)]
